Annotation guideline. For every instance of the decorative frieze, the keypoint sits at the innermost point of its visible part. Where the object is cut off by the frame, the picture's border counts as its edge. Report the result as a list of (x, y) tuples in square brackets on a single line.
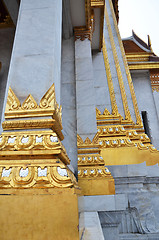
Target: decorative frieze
[(154, 77)]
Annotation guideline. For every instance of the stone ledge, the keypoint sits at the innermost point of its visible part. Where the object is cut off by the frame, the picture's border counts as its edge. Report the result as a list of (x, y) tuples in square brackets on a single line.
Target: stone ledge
[(103, 203)]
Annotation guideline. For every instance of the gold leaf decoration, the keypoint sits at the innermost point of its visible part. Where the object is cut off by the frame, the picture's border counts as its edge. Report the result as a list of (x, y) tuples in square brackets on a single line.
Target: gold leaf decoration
[(13, 102), (48, 100), (106, 112), (29, 103)]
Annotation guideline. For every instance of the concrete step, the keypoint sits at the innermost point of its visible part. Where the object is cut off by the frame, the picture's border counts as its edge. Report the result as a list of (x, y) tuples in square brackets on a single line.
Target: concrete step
[(129, 236)]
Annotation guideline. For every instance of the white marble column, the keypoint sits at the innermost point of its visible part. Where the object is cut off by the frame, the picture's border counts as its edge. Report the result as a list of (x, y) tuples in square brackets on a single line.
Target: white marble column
[(85, 91), (36, 57)]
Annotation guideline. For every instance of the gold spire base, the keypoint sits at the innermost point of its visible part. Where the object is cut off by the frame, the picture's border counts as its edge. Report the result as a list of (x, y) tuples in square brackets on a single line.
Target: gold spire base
[(38, 192), (94, 177)]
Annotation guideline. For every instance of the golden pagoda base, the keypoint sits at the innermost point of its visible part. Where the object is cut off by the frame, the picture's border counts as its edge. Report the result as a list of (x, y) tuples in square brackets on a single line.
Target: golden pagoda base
[(97, 186), (38, 214)]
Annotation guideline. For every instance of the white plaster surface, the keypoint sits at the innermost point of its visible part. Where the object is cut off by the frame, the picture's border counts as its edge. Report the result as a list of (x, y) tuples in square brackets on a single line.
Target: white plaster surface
[(90, 227), (141, 80), (36, 58)]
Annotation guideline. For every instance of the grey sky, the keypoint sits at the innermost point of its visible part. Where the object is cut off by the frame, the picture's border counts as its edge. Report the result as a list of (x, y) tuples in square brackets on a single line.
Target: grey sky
[(143, 17)]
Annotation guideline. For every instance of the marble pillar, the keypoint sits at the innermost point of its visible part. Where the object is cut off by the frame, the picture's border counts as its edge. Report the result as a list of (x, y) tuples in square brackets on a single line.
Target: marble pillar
[(85, 91), (36, 57)]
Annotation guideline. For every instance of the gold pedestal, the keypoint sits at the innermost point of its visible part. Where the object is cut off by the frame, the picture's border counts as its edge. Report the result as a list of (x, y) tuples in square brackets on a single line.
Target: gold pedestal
[(38, 192), (38, 214)]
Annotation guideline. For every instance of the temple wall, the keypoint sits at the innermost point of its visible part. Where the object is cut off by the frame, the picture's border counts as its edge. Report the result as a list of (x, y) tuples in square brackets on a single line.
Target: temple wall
[(6, 42), (145, 99), (156, 98), (68, 100)]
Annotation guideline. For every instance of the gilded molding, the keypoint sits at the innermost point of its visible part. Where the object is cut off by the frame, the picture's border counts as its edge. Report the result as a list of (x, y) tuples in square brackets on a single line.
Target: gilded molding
[(13, 102), (88, 13), (50, 176), (137, 57), (154, 77), (81, 33), (143, 65), (97, 3), (89, 160), (33, 124), (137, 113), (47, 107), (118, 69), (29, 103), (109, 79), (87, 142), (94, 172), (42, 143)]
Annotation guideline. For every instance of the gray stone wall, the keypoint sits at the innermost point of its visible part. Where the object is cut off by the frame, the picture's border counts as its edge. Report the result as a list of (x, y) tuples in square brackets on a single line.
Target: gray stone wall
[(68, 100), (6, 43)]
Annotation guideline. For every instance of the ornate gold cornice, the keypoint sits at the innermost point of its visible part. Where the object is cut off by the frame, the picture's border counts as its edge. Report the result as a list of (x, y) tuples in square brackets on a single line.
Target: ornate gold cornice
[(81, 33), (143, 65), (36, 176), (154, 77), (97, 3), (137, 57), (41, 158), (47, 107), (18, 116)]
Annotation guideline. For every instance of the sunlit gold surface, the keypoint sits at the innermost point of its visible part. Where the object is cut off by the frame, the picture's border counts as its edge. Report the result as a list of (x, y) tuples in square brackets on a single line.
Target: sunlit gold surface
[(38, 214)]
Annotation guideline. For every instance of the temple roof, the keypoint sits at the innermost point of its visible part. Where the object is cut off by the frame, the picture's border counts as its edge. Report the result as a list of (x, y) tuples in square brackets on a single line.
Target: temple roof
[(134, 44), (140, 54)]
